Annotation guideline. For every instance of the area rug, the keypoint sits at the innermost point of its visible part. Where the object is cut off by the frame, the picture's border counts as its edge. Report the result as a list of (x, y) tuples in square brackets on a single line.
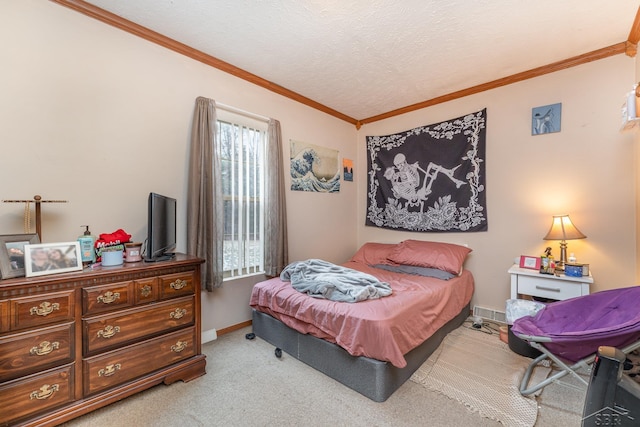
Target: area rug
[(480, 371)]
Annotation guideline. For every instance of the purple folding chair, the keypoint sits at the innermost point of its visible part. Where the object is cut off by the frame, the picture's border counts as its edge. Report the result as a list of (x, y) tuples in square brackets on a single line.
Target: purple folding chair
[(569, 332)]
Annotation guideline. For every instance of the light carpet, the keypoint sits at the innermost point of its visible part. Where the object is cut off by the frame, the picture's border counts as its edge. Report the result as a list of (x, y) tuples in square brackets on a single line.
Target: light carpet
[(480, 371)]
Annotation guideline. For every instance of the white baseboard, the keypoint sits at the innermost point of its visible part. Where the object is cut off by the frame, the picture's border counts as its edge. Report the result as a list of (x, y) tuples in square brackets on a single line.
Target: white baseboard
[(210, 335)]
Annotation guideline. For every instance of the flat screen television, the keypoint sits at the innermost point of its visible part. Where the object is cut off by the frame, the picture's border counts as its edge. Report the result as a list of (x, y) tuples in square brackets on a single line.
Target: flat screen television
[(161, 231)]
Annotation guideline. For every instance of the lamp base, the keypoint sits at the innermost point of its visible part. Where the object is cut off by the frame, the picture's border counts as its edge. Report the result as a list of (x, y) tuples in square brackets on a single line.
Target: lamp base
[(563, 256)]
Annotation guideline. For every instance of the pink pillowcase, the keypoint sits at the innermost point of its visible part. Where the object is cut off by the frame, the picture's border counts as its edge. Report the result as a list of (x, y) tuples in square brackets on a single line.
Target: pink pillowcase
[(374, 253), (443, 256)]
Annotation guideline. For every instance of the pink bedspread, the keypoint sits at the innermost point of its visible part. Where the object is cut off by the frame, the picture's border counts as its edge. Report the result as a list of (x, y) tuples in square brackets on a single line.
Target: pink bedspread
[(384, 329)]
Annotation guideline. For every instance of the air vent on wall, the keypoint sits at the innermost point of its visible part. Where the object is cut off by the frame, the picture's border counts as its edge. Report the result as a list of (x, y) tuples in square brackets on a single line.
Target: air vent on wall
[(489, 314)]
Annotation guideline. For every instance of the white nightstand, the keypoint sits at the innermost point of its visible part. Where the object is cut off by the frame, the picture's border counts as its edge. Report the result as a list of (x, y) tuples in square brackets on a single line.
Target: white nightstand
[(525, 281)]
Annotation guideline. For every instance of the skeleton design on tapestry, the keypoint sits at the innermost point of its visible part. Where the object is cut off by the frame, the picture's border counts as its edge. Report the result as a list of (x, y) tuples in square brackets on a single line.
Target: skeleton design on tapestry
[(429, 178), (405, 180)]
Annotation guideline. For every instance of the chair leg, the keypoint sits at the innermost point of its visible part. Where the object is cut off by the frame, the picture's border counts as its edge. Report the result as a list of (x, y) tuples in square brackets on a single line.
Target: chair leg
[(566, 369)]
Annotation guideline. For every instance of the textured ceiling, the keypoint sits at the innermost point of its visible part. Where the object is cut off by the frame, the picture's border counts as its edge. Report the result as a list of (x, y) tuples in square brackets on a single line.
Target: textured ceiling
[(367, 57)]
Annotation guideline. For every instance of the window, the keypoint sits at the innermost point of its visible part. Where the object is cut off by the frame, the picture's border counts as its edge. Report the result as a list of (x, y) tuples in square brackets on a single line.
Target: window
[(242, 145)]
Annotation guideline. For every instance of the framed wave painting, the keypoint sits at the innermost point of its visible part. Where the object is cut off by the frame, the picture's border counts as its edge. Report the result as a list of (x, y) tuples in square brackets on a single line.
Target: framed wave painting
[(314, 168)]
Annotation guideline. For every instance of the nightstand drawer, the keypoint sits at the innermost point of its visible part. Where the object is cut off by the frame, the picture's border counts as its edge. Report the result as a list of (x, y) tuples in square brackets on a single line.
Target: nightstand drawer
[(548, 288)]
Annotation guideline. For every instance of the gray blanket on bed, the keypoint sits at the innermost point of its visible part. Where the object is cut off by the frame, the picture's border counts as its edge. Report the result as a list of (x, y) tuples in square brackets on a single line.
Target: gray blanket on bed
[(322, 279)]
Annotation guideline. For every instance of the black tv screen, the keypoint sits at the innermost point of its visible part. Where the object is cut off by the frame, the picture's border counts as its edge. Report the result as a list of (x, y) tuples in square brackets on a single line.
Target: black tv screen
[(161, 231)]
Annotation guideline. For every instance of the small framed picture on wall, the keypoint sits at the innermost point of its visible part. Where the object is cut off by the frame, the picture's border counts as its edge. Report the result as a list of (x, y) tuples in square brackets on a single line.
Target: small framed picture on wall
[(546, 119)]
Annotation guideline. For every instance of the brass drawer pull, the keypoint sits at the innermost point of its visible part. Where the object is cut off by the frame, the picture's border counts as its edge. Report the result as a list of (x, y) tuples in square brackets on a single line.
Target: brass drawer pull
[(145, 290), (178, 284), (109, 370), (45, 392), (178, 313), (44, 348), (45, 308), (179, 346), (108, 331), (109, 297)]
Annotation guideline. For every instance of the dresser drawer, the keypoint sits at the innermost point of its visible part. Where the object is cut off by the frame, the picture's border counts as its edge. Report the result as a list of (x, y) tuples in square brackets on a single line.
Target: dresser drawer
[(98, 299), (4, 315), (28, 352), (116, 367), (172, 285), (146, 290), (114, 329), (548, 288), (28, 312), (36, 394)]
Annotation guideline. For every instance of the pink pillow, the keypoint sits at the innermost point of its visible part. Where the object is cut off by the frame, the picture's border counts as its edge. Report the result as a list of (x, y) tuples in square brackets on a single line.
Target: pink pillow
[(374, 253), (443, 256)]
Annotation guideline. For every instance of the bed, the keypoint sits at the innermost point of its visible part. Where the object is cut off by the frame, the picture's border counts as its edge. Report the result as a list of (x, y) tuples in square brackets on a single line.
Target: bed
[(372, 346)]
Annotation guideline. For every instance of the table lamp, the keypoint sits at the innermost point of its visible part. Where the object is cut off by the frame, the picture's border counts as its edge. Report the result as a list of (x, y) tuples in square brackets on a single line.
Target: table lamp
[(563, 229)]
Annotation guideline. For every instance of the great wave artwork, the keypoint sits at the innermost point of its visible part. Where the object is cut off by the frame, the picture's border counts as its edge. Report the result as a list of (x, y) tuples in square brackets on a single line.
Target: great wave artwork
[(429, 179), (314, 168)]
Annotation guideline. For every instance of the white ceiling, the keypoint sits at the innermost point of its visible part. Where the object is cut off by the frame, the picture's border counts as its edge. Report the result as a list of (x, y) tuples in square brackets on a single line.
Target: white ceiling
[(367, 57)]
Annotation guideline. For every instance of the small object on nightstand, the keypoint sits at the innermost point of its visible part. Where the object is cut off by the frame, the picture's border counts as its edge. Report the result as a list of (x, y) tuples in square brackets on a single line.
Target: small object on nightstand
[(547, 263), (576, 270)]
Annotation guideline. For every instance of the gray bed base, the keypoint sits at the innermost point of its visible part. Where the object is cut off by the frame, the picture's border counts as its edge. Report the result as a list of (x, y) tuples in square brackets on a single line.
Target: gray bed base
[(372, 378)]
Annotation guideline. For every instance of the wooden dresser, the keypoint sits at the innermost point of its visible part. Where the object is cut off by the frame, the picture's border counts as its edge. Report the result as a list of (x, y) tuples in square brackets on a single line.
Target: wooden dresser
[(71, 343)]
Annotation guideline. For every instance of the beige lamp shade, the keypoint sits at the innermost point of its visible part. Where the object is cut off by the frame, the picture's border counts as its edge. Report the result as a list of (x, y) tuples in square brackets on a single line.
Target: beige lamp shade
[(563, 229)]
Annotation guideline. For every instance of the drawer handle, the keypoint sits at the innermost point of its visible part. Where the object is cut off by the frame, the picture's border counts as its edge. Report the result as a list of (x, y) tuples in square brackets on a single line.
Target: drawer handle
[(109, 297), (44, 348), (546, 288), (109, 370), (178, 313), (179, 346), (178, 284), (108, 331), (45, 392), (145, 290), (44, 309)]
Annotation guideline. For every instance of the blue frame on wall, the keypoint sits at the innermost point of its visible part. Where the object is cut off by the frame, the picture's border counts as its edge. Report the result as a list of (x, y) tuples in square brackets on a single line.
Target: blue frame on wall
[(546, 119)]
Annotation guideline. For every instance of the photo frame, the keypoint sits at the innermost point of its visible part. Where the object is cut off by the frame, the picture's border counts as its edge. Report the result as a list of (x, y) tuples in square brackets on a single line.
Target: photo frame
[(531, 262), (12, 253), (546, 119), (52, 258)]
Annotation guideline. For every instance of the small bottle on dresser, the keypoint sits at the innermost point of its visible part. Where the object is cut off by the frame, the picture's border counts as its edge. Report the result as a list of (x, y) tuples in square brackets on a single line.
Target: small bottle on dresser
[(87, 242)]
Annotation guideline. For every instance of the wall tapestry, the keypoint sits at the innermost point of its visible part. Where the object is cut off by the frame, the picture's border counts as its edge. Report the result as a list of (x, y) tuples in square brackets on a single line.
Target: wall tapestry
[(431, 178), (314, 168)]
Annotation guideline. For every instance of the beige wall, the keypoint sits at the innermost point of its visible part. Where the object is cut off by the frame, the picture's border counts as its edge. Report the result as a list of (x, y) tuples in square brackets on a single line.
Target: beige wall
[(636, 137), (586, 170), (100, 118)]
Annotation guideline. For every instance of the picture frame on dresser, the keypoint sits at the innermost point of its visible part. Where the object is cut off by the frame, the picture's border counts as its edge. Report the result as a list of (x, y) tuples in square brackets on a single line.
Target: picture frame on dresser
[(52, 258), (12, 253)]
